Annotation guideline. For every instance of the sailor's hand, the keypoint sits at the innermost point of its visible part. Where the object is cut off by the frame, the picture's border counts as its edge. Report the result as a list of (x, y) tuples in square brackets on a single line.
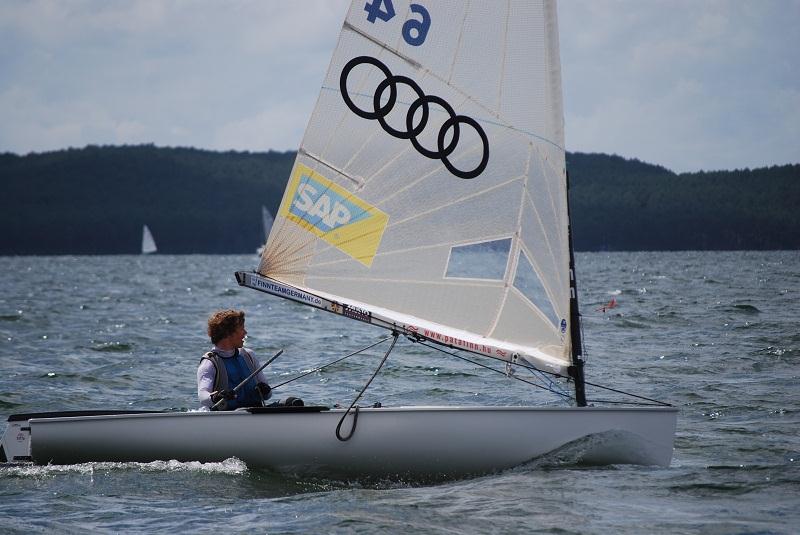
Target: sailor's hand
[(264, 389), (222, 394)]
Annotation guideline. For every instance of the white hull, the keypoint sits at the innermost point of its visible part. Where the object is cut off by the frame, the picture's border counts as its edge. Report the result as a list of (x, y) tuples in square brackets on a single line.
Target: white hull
[(401, 441)]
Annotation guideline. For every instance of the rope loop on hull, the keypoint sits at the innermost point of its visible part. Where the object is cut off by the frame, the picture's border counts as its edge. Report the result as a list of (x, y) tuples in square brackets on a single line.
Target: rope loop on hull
[(353, 404)]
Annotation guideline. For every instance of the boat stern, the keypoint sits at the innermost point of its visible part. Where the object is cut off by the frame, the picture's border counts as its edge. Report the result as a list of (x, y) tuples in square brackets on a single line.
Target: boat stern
[(15, 445)]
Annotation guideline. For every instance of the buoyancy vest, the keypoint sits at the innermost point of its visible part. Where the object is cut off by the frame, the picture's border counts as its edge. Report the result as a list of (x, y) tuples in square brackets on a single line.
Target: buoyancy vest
[(229, 372)]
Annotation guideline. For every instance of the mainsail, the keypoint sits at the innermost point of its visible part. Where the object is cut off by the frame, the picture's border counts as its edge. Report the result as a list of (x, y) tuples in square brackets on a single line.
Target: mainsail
[(148, 243), (430, 186)]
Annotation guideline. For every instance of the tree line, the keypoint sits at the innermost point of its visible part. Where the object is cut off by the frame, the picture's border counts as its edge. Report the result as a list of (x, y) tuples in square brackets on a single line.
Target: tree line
[(95, 200)]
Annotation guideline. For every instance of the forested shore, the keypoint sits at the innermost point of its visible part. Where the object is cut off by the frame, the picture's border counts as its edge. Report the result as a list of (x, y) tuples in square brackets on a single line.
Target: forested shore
[(95, 200)]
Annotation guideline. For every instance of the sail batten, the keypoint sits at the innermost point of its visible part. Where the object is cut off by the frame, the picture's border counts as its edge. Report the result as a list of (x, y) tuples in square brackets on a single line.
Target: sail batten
[(430, 182)]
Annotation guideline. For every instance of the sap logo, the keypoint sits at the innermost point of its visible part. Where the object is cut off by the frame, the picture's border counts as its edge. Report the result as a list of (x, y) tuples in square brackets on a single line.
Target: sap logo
[(321, 205), (333, 213)]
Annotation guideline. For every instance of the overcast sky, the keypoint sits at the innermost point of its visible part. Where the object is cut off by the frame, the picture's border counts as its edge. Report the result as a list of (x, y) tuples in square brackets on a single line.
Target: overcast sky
[(687, 84)]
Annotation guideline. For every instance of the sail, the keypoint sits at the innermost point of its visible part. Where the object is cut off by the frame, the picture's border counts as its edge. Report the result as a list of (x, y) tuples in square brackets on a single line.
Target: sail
[(148, 243), (266, 221), (430, 186)]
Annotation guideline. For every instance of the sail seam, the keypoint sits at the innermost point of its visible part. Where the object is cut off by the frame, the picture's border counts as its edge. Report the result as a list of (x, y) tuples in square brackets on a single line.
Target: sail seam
[(503, 60), (557, 269), (358, 181), (515, 245), (449, 244), (382, 45), (534, 264), (458, 45), (498, 121), (482, 283), (437, 208)]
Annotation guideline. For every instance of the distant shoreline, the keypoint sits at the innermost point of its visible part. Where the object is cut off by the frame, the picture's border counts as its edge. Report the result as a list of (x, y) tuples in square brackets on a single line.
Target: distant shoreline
[(95, 200)]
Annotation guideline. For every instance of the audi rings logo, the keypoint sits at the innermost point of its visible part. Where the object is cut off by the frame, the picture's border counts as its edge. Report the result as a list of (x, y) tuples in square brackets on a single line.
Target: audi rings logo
[(412, 131)]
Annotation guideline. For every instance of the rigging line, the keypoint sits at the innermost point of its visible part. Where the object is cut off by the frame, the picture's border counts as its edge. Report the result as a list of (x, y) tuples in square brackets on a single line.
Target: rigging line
[(339, 436), (452, 354), (550, 382), (628, 394), (332, 363), (554, 374)]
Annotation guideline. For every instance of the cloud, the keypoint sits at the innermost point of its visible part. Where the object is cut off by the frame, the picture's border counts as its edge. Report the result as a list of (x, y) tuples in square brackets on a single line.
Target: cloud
[(172, 73), (685, 84), (689, 85)]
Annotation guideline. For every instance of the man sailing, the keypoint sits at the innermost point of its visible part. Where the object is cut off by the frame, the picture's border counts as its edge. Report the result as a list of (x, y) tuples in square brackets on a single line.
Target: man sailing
[(228, 364)]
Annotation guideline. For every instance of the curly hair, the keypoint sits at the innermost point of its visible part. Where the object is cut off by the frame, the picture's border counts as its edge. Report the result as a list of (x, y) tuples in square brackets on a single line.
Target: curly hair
[(223, 322)]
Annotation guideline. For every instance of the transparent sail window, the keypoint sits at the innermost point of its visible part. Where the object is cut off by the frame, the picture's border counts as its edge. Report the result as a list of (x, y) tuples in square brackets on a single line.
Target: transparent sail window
[(528, 282), (485, 260)]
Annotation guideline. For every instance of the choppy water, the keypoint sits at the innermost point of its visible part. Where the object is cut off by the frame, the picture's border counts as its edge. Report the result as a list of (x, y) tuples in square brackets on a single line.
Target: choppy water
[(717, 334)]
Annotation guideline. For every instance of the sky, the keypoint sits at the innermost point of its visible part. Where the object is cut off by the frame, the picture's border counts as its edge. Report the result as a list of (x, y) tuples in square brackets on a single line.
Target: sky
[(687, 84)]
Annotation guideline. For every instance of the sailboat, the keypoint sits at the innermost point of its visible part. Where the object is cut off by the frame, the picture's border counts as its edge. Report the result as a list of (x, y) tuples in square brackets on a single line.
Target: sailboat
[(266, 223), (148, 243), (429, 198)]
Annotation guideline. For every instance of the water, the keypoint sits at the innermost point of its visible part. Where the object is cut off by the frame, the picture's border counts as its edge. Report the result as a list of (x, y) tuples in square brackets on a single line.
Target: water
[(714, 333)]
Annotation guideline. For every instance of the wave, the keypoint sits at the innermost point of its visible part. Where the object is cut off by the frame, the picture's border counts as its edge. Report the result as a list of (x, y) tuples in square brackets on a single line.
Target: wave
[(750, 309), (9, 404), (112, 347), (231, 466)]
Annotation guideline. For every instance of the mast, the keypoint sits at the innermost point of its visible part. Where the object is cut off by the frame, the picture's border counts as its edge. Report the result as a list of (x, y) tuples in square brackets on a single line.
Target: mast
[(576, 370)]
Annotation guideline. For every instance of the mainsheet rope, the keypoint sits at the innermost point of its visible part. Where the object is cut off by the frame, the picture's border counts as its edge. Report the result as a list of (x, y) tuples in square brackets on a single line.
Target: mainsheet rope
[(355, 414), (534, 368)]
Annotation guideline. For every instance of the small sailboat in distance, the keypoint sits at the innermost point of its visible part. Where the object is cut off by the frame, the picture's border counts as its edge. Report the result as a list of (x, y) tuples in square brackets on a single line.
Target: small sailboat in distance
[(148, 243), (266, 223)]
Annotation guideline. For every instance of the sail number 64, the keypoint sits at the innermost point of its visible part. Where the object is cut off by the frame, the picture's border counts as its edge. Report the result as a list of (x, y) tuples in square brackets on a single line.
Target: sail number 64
[(414, 31)]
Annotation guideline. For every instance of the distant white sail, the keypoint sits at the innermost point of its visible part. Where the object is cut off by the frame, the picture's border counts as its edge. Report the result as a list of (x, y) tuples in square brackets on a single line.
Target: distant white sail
[(148, 243), (430, 185), (266, 221)]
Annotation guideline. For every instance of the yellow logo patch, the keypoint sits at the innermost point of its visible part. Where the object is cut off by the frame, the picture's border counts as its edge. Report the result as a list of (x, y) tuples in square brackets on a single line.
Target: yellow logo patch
[(333, 214)]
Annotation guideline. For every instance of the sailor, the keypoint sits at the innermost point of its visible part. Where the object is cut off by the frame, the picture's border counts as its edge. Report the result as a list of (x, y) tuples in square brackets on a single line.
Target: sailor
[(228, 364)]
